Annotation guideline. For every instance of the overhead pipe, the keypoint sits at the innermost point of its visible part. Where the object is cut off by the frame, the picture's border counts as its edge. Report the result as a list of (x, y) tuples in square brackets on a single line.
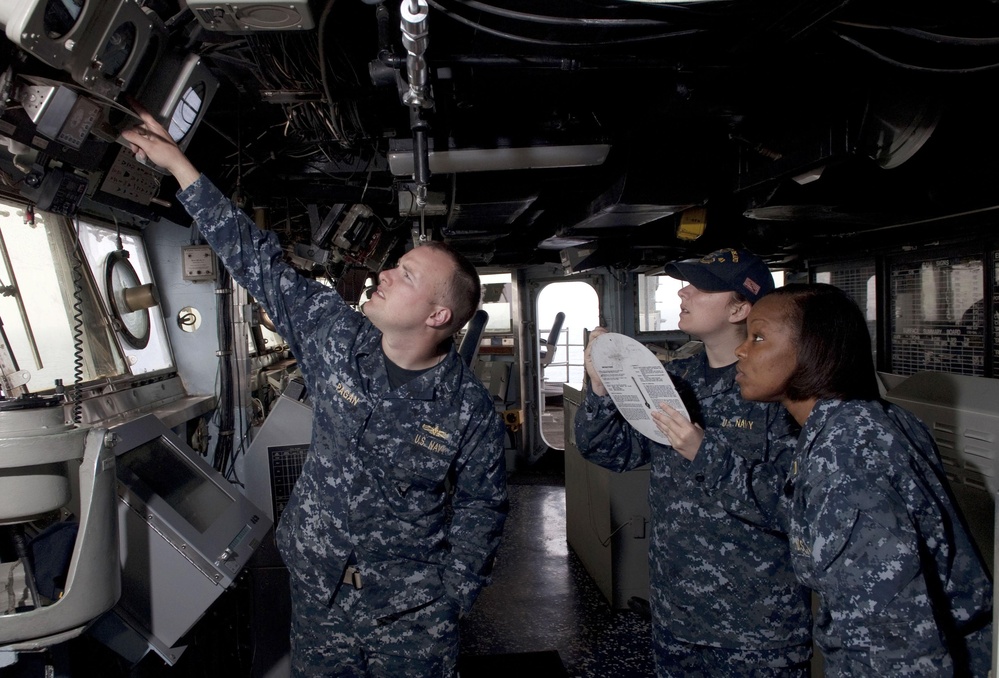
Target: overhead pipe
[(413, 22), (385, 54), (421, 158)]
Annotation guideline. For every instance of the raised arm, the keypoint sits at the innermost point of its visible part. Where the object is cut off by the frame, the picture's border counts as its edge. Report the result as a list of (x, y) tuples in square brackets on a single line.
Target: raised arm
[(254, 257), (602, 434)]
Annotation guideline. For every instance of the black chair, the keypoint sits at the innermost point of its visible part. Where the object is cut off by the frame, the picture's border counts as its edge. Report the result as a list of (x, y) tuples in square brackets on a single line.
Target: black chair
[(549, 345), (469, 347)]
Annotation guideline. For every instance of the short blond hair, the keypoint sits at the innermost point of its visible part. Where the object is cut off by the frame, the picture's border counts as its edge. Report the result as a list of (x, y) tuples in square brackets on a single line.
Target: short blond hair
[(461, 291)]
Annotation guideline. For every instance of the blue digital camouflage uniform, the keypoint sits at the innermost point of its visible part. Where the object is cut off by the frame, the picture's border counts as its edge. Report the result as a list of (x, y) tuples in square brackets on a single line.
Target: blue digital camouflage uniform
[(874, 531), (374, 489), (719, 576)]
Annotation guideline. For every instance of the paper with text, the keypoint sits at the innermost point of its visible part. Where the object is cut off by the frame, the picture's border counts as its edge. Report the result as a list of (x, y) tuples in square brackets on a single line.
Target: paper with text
[(636, 381)]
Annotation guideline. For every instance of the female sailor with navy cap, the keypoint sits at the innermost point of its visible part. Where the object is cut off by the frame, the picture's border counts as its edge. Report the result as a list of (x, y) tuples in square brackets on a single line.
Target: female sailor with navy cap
[(724, 598)]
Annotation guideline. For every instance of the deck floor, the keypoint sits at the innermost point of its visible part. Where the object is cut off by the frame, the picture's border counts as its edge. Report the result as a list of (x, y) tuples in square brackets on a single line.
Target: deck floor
[(542, 599)]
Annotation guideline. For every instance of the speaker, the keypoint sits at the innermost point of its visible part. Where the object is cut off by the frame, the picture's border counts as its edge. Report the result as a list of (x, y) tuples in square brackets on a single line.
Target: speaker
[(250, 16)]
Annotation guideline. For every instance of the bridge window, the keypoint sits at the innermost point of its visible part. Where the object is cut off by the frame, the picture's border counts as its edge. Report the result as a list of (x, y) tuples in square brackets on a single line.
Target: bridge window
[(858, 280), (53, 327), (659, 304), (936, 320), (497, 301), (99, 242), (938, 316)]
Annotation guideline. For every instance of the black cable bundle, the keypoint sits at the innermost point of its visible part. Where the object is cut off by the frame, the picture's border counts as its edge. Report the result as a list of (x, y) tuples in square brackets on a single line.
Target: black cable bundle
[(224, 412)]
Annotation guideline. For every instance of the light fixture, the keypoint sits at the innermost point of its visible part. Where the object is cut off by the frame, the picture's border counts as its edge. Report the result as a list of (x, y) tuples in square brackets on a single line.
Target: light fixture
[(47, 29), (693, 222), (119, 45), (179, 93), (250, 16), (498, 159)]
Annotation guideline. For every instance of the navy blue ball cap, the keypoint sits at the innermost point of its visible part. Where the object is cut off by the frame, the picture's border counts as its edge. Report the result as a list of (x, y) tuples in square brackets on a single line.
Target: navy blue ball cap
[(726, 270)]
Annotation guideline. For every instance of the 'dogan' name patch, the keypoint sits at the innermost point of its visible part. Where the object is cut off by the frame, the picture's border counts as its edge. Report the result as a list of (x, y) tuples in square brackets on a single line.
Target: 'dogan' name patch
[(433, 438), (347, 394)]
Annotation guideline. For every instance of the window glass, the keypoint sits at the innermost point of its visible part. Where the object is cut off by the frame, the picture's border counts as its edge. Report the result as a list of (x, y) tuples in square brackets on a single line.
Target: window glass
[(39, 286), (659, 303), (563, 362), (858, 280), (578, 301), (497, 291), (100, 242), (938, 316)]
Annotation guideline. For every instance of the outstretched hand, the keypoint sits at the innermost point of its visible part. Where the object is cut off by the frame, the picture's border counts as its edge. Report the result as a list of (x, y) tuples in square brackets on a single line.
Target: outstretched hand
[(150, 141), (684, 436)]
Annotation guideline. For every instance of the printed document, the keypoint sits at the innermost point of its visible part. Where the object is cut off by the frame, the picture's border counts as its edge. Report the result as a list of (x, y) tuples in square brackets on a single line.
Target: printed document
[(636, 381)]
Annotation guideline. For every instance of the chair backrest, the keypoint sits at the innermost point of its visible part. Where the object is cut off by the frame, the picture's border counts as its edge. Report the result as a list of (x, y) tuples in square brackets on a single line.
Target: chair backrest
[(551, 344), (469, 348)]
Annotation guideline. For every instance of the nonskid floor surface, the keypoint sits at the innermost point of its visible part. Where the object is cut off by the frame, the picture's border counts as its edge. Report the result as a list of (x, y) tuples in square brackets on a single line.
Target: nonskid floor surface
[(541, 599)]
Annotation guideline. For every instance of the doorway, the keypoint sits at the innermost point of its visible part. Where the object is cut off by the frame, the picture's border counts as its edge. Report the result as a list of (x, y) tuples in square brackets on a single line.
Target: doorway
[(579, 303)]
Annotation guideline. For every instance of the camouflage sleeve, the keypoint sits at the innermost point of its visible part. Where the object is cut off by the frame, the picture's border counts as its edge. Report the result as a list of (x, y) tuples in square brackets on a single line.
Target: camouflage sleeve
[(867, 567), (480, 508), (749, 484), (605, 438), (255, 259)]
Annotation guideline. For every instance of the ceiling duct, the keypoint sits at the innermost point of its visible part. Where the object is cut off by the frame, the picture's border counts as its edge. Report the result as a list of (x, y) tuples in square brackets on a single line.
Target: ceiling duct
[(895, 127), (635, 199), (458, 160), (790, 152)]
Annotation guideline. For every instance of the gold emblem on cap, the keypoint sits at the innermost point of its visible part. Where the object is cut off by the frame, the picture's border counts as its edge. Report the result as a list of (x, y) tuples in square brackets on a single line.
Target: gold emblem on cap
[(719, 256)]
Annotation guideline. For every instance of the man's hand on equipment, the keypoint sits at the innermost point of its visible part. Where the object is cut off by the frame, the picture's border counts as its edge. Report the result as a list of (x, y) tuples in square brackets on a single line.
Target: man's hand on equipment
[(149, 141)]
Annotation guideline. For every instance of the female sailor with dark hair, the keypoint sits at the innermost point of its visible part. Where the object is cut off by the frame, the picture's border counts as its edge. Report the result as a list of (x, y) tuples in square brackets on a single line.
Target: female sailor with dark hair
[(873, 528)]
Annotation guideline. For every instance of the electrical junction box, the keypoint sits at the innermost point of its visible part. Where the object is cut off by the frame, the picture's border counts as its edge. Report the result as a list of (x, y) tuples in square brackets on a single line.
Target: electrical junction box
[(199, 263)]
